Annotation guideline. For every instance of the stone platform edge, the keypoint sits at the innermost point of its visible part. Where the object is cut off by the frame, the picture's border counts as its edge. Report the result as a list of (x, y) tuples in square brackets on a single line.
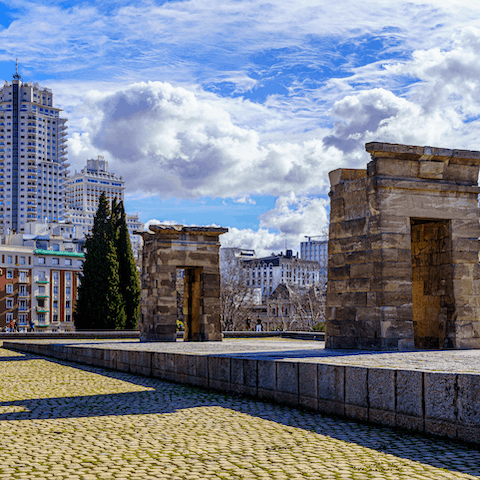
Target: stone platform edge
[(444, 404), (126, 334)]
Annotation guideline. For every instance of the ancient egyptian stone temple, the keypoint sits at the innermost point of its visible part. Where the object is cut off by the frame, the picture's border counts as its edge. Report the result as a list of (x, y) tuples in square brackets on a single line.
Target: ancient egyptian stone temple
[(196, 251), (403, 267)]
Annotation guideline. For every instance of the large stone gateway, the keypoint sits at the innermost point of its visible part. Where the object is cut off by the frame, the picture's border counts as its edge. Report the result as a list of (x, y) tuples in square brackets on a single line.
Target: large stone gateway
[(403, 267), (196, 250)]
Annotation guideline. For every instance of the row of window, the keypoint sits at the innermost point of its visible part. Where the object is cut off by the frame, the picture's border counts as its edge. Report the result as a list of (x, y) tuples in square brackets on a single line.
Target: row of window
[(22, 318), (42, 277), (22, 290), (283, 267), (9, 259), (68, 290), (68, 262), (22, 304), (23, 276)]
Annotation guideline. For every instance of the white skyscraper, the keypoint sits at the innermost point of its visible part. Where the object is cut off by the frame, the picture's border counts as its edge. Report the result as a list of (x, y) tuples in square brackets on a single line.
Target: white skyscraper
[(33, 158), (83, 190)]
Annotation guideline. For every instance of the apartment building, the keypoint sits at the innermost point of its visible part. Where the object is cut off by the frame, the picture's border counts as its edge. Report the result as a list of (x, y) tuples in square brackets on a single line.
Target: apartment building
[(268, 273), (82, 192), (33, 155), (38, 281)]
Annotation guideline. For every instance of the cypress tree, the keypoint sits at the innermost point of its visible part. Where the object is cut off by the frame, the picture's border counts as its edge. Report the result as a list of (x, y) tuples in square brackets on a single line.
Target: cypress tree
[(100, 303), (129, 280)]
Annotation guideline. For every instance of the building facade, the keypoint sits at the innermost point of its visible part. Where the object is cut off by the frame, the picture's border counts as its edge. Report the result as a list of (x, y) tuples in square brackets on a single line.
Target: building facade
[(33, 165), (268, 273), (38, 284), (315, 250), (82, 192)]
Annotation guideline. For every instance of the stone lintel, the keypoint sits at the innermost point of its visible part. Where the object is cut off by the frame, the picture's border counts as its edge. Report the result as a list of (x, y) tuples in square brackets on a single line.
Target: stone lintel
[(419, 153), (420, 184), (175, 231)]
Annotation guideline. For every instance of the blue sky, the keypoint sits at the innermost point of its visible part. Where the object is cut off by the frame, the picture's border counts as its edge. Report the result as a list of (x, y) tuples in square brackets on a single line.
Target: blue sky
[(233, 112)]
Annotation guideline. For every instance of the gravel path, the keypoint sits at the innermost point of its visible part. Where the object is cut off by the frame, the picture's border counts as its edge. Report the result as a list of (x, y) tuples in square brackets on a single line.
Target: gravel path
[(65, 421)]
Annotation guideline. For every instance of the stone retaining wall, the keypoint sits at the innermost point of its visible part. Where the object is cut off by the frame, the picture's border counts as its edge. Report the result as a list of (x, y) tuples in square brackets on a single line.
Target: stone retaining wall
[(446, 404)]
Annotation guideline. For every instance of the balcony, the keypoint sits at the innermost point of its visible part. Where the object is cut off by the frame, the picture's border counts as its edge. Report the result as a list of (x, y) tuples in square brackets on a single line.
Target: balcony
[(43, 281), (42, 296), (42, 310)]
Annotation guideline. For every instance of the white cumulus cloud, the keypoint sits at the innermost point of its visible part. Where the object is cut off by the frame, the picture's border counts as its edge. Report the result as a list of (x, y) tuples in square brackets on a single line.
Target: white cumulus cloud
[(167, 142)]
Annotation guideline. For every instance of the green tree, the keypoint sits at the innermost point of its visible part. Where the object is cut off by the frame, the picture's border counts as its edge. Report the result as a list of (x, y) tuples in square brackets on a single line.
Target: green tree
[(100, 304), (129, 280)]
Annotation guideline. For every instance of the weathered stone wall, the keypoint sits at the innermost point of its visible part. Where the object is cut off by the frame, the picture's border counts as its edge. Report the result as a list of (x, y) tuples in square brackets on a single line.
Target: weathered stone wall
[(370, 299), (195, 249)]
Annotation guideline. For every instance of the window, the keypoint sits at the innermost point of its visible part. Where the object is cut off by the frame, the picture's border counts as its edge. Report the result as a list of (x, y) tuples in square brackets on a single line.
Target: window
[(68, 261), (22, 291), (68, 318), (9, 259), (23, 276), (68, 291), (55, 276), (9, 303), (41, 302), (55, 304), (41, 260), (23, 305), (22, 260), (41, 290), (9, 317), (55, 290), (41, 318), (68, 277), (55, 261), (9, 288), (67, 304), (79, 263), (9, 274), (41, 276)]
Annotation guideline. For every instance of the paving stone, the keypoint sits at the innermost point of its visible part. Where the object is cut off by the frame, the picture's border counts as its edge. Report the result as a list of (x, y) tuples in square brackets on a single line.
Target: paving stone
[(66, 421)]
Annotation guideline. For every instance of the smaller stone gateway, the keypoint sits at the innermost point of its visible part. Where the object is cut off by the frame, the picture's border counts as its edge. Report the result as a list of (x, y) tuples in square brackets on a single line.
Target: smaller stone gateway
[(196, 250), (403, 266)]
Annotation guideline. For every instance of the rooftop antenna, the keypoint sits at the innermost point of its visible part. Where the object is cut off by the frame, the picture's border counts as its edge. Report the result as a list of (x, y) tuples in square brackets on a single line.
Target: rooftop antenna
[(16, 76)]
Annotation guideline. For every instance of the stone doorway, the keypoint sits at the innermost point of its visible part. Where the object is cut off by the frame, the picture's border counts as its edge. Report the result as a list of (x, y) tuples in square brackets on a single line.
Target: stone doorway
[(192, 292), (432, 283), (167, 250)]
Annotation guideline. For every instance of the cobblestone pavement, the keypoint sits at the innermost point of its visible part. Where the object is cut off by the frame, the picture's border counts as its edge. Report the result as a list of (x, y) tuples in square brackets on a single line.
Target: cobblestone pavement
[(456, 361), (65, 421)]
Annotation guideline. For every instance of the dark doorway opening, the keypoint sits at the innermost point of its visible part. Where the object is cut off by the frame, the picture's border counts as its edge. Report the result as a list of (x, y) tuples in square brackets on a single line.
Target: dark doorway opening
[(432, 283), (192, 303)]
